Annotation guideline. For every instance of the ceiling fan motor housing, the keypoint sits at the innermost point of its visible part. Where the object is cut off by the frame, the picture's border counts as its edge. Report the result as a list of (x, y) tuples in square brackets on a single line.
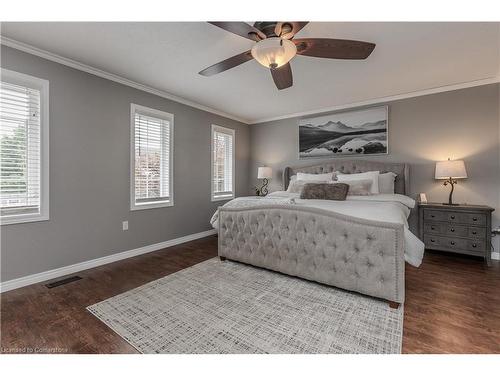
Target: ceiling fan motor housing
[(267, 27)]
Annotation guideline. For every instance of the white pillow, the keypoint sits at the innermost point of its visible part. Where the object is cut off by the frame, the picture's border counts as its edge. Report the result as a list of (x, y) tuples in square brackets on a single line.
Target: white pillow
[(386, 182), (373, 175), (359, 187), (317, 177), (295, 186)]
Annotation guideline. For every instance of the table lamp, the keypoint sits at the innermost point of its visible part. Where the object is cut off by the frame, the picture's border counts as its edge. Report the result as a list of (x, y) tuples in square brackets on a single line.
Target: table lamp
[(264, 173), (451, 171)]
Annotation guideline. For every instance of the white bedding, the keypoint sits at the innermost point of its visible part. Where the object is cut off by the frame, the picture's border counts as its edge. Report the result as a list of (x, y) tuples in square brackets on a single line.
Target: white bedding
[(393, 208)]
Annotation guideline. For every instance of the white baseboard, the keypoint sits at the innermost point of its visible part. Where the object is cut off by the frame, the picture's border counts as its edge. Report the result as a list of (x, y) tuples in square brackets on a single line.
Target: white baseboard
[(58, 272), (495, 256)]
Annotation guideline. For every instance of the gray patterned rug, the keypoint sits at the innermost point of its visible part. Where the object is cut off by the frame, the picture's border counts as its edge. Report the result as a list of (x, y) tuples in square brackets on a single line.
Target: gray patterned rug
[(227, 307)]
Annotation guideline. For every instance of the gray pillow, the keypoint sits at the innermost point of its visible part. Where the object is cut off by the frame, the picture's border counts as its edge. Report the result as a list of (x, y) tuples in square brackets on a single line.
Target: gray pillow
[(334, 192)]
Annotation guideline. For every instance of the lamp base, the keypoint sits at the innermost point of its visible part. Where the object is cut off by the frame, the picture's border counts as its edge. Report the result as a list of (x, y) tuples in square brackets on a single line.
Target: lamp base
[(262, 191), (452, 183)]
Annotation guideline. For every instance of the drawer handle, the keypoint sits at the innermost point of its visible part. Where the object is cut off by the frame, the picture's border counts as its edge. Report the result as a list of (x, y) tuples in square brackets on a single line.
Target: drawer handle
[(433, 240), (474, 245), (433, 228), (474, 219), (452, 217), (452, 242), (452, 229), (474, 232), (433, 216)]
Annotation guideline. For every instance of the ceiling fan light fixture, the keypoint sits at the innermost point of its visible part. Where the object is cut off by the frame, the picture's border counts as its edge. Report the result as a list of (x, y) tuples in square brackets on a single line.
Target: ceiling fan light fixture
[(274, 49), (274, 52)]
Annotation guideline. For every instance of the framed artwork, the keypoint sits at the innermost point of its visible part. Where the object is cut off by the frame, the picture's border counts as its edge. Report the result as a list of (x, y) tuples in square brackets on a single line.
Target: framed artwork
[(360, 132)]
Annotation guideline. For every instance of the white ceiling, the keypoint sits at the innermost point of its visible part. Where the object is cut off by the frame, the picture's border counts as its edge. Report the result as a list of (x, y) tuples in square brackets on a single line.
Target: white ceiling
[(167, 56)]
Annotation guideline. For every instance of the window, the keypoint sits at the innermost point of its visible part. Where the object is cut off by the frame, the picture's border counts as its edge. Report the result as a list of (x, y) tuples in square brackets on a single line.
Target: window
[(222, 163), (24, 151), (151, 158)]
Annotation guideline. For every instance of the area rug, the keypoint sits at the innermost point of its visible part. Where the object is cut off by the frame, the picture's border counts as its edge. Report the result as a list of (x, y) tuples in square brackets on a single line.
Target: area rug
[(229, 307)]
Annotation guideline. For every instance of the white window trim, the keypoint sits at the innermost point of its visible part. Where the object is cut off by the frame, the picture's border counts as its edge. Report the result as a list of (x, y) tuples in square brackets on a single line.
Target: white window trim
[(42, 85), (232, 132), (157, 114)]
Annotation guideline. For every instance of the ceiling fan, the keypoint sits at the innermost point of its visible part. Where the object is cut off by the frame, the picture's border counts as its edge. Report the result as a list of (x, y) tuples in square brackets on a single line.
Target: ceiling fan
[(275, 48)]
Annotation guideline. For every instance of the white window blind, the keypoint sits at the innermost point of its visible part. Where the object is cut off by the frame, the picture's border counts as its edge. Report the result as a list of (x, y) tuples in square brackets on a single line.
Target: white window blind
[(20, 151), (222, 163), (152, 134)]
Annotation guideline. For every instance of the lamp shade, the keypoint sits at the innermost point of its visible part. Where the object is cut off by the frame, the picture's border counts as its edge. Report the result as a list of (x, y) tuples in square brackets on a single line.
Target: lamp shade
[(450, 168), (264, 172), (273, 52)]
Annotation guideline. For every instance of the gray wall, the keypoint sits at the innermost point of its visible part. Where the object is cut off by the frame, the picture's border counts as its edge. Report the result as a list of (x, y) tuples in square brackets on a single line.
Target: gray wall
[(462, 124), (89, 163), (89, 172)]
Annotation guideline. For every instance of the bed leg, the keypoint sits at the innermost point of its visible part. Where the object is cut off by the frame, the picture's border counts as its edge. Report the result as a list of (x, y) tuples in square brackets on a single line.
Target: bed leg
[(394, 305), (222, 258)]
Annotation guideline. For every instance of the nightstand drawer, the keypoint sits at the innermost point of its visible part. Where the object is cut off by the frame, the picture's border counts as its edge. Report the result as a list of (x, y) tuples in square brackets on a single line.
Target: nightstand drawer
[(475, 232), (433, 228), (435, 215), (466, 218), (454, 244), (447, 229)]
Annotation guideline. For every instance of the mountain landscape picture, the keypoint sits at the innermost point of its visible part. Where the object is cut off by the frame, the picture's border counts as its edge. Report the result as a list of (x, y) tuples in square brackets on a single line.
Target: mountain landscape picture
[(361, 132)]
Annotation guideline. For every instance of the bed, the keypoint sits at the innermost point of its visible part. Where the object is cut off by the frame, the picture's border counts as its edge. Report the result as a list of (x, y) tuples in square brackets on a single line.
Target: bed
[(359, 244)]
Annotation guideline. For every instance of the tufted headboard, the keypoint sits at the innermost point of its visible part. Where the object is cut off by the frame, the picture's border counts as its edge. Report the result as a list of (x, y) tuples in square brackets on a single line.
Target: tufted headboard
[(401, 185)]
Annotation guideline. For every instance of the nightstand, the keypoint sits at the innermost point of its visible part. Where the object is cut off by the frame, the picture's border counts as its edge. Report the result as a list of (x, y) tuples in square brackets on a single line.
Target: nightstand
[(463, 229)]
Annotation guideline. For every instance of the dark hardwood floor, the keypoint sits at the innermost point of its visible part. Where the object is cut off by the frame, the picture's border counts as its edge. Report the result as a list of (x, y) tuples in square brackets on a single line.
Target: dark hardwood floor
[(452, 304)]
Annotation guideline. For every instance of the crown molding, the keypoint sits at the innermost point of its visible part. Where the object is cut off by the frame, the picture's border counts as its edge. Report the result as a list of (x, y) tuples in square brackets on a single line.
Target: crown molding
[(385, 99), (9, 42)]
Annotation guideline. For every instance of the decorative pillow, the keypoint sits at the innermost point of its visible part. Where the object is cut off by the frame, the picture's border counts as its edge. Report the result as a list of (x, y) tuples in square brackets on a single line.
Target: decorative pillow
[(334, 192), (373, 175), (386, 182), (316, 177), (297, 186), (359, 187)]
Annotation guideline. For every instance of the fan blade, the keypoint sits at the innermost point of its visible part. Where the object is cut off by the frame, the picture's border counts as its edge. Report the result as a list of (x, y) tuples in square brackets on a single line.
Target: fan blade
[(334, 48), (227, 64), (282, 76), (242, 29), (287, 30)]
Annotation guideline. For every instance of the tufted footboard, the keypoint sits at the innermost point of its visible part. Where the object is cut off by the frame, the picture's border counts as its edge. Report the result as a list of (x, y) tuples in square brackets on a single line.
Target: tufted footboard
[(355, 254)]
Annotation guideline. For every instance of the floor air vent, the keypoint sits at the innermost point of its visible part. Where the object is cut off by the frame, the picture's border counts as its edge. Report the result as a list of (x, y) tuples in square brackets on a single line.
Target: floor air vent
[(63, 281)]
